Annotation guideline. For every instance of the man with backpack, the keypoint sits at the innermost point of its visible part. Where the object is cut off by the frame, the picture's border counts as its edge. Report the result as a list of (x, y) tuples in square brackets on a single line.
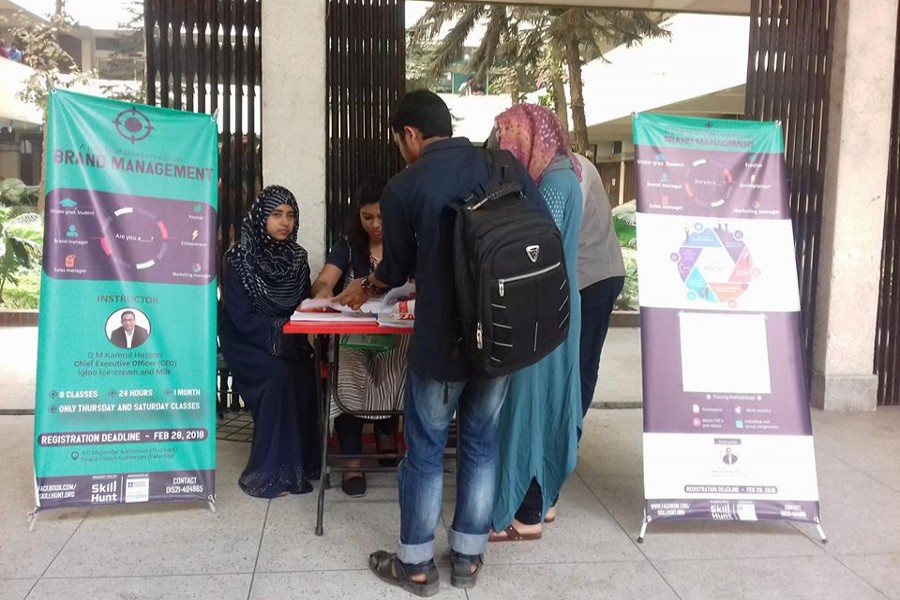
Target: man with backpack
[(418, 222)]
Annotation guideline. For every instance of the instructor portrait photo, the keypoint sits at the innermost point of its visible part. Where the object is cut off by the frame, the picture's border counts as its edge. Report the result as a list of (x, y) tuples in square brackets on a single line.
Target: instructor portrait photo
[(132, 331), (729, 458)]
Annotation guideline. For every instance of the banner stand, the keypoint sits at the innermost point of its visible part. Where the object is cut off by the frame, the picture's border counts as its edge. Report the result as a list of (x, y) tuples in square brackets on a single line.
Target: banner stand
[(645, 522), (126, 375), (727, 430), (36, 512)]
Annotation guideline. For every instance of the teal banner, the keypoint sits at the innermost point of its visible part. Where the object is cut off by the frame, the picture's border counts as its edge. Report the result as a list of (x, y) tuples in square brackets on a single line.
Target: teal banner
[(717, 135), (125, 400)]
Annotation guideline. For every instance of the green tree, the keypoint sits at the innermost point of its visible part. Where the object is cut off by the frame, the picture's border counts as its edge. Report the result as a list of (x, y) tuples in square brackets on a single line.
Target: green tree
[(21, 238), (531, 46), (53, 67), (129, 52)]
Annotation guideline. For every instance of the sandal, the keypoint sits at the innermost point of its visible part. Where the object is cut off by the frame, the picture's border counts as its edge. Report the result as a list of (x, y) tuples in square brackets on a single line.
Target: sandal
[(511, 534), (390, 569), (551, 515), (461, 574)]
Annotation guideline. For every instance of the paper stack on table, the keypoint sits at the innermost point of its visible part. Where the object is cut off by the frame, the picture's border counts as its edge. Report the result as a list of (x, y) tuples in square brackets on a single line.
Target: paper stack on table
[(327, 309), (399, 307), (395, 309)]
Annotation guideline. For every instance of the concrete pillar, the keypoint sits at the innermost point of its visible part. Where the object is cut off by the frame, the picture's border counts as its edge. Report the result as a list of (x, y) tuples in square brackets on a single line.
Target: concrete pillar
[(293, 112), (857, 149)]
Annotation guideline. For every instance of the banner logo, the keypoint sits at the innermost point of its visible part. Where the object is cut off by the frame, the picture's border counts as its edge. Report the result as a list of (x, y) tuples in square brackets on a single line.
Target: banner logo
[(133, 125)]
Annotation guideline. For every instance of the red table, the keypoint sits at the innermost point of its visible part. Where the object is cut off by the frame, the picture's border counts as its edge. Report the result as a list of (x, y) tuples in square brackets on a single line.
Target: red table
[(332, 331), (342, 328)]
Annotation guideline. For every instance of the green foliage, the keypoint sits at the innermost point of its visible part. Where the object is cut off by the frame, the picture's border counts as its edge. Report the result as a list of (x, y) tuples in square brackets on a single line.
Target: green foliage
[(27, 293), (628, 299), (17, 196), (21, 239), (624, 222)]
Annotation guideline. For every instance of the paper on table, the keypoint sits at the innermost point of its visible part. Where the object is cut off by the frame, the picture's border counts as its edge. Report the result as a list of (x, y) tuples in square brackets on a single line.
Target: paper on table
[(333, 317), (383, 310), (399, 307), (329, 310)]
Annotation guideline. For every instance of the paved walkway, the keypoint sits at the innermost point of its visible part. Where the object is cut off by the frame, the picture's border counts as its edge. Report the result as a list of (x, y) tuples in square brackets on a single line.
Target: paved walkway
[(257, 549)]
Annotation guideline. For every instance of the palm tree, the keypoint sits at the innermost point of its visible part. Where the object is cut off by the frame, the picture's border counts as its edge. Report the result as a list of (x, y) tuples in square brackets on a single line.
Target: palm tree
[(584, 34), (531, 45)]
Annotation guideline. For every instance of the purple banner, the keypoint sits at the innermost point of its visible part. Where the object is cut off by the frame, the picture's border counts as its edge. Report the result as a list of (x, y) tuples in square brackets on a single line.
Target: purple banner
[(682, 411), (101, 236), (733, 510), (727, 429), (125, 488)]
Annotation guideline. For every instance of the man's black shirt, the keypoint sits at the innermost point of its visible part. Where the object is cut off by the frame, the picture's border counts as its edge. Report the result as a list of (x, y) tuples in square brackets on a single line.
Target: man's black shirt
[(417, 242)]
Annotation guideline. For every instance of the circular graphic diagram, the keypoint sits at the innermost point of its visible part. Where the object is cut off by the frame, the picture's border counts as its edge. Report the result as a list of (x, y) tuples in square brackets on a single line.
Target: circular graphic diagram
[(133, 125), (715, 264), (135, 238), (708, 183)]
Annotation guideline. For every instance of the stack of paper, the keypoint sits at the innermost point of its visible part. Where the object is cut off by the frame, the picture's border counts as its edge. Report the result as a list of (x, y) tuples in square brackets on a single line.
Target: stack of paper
[(399, 307), (395, 309), (327, 309)]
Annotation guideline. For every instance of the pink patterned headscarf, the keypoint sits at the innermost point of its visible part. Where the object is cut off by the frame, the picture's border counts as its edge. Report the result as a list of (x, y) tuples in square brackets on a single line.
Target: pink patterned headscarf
[(534, 136)]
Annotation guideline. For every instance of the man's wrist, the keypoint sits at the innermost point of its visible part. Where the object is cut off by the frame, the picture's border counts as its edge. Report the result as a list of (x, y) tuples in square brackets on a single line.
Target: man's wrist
[(370, 287)]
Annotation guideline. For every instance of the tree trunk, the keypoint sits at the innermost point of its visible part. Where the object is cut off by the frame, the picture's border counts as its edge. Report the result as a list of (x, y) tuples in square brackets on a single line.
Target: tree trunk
[(579, 123), (559, 100), (558, 85)]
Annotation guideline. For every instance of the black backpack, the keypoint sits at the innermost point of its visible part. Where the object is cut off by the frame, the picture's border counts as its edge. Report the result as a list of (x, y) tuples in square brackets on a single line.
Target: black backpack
[(512, 289)]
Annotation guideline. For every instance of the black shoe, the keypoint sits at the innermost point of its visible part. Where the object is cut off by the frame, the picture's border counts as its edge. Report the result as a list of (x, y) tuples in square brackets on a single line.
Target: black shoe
[(355, 487), (392, 570), (461, 573)]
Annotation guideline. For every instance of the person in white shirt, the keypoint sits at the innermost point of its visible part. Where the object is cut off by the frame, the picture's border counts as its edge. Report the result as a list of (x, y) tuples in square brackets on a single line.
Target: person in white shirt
[(601, 275)]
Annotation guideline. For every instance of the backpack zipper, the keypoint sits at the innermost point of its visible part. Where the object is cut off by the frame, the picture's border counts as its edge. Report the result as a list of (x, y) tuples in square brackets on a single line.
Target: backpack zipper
[(479, 340), (502, 282)]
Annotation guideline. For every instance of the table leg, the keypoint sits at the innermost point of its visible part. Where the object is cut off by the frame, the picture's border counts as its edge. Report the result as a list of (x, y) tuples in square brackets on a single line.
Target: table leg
[(325, 399)]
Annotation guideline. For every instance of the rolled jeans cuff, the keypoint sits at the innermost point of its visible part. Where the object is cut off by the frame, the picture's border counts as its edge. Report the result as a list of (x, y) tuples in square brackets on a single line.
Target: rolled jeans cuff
[(415, 554), (470, 544)]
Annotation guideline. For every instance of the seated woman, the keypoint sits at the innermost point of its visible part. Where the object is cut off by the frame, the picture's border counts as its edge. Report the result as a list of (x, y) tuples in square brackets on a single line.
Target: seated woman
[(265, 277), (541, 418), (367, 380)]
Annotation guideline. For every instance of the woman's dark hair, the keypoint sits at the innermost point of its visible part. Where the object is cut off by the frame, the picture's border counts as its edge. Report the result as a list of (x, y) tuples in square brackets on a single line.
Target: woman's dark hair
[(425, 111), (367, 192)]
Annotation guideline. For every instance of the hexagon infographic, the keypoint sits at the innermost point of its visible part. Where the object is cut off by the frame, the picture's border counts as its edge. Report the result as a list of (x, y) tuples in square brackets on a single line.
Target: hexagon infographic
[(715, 264)]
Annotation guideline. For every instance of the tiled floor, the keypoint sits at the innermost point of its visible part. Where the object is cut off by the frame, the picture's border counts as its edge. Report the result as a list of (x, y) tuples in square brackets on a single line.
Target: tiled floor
[(263, 549), (257, 549)]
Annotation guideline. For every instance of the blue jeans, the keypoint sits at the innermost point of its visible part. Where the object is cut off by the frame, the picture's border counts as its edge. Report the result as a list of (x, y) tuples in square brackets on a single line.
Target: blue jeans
[(597, 301), (428, 408)]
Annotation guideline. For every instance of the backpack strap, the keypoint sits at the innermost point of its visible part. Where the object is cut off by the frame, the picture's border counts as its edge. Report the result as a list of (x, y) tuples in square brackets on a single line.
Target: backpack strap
[(502, 165), (504, 179)]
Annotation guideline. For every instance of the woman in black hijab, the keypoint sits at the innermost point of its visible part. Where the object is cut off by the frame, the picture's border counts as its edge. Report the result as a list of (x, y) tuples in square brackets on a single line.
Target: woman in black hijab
[(266, 275)]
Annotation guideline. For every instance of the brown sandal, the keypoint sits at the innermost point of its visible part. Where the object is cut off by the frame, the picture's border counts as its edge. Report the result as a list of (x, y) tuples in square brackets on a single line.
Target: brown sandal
[(511, 534)]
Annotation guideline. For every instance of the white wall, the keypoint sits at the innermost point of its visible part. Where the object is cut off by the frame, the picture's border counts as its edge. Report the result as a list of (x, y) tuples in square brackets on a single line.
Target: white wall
[(293, 111), (853, 206)]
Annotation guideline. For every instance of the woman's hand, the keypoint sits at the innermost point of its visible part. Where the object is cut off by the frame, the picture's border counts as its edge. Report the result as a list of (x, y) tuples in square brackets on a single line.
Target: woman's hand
[(326, 281), (353, 295)]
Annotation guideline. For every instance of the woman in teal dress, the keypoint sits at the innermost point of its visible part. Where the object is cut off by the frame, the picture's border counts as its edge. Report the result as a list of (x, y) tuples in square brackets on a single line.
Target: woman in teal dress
[(541, 418)]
